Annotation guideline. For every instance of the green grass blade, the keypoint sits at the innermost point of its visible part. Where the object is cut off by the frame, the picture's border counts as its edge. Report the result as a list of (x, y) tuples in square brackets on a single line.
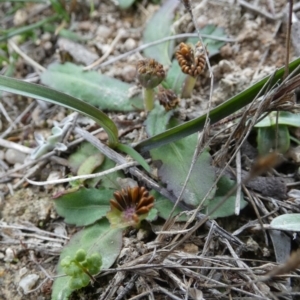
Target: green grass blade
[(135, 155), (16, 31), (44, 93), (223, 110)]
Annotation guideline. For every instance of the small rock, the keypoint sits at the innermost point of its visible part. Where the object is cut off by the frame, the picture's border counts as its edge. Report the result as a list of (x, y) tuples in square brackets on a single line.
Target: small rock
[(130, 44), (20, 17), (129, 73), (28, 282), (22, 272), (47, 45), (191, 248), (13, 156), (142, 234), (9, 255), (46, 36), (104, 31)]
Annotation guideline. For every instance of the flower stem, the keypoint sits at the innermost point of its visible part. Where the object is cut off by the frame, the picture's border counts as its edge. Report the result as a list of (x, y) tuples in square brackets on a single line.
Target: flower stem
[(148, 99), (188, 86)]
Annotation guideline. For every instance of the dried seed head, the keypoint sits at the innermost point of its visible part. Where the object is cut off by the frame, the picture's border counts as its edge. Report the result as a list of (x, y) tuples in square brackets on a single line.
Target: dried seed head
[(150, 73), (191, 60), (167, 98), (130, 206)]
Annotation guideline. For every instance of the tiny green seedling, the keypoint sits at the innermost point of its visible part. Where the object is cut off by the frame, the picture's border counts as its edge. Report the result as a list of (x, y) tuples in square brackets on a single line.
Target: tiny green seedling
[(81, 268)]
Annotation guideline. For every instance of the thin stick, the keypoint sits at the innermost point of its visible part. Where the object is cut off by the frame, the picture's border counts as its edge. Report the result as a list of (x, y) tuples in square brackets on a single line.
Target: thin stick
[(239, 183), (288, 39), (166, 39), (15, 146), (29, 60), (18, 119), (121, 33), (100, 174)]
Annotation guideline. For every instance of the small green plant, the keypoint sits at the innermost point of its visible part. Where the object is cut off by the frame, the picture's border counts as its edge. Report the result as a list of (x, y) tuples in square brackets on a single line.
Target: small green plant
[(273, 133), (150, 74), (81, 268), (53, 141), (129, 207)]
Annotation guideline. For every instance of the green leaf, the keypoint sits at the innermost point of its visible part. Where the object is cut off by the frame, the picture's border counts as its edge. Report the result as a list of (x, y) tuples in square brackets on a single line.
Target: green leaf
[(152, 216), (99, 90), (110, 181), (284, 118), (175, 78), (41, 92), (158, 27), (157, 119), (288, 222), (273, 138), (7, 34), (85, 150), (89, 166), (84, 206), (98, 238), (176, 159), (227, 209), (213, 46), (59, 9), (123, 4), (135, 155), (164, 207)]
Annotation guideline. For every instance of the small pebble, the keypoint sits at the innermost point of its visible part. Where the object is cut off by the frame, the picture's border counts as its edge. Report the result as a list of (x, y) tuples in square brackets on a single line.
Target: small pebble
[(20, 17), (104, 31), (129, 73), (46, 36), (23, 271), (142, 234), (28, 282), (13, 156), (9, 255), (130, 44), (48, 45)]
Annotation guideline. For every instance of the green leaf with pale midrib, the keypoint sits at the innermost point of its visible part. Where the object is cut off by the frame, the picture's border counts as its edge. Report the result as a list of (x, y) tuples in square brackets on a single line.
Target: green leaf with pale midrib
[(84, 206), (289, 222), (100, 90), (159, 26)]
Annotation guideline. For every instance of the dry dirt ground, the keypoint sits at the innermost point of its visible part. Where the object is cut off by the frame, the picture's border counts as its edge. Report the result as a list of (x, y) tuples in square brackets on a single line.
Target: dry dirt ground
[(259, 31)]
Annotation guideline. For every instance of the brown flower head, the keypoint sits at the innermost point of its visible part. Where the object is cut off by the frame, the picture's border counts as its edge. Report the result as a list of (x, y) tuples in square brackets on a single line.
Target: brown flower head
[(130, 207), (167, 98), (191, 59), (150, 73)]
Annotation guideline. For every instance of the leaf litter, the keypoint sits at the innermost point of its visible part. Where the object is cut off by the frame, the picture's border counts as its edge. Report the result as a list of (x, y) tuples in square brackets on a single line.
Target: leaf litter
[(215, 267)]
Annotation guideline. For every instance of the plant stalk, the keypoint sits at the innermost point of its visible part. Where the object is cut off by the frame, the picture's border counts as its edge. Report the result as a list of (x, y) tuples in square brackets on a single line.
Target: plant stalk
[(188, 86), (148, 99)]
